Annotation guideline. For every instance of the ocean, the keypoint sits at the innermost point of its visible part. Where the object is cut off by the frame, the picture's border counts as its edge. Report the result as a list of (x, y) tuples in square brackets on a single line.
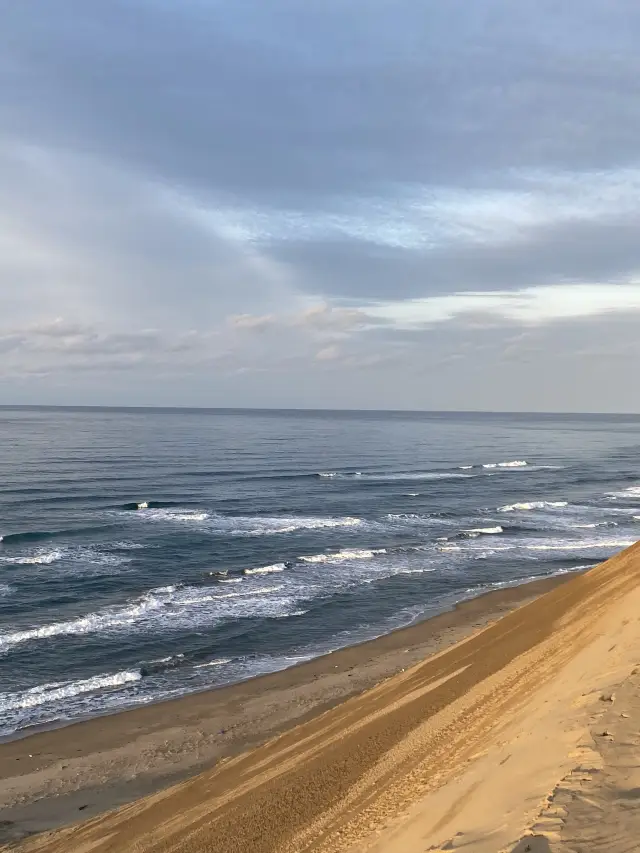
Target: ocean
[(146, 554)]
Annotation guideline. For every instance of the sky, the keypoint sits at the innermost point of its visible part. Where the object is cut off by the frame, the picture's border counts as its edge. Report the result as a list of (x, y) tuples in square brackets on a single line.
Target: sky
[(388, 204)]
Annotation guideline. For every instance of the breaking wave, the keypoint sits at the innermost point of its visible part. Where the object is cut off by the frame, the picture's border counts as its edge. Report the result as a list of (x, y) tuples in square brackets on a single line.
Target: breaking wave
[(348, 554), (523, 507), (394, 476), (43, 535), (485, 530), (265, 570), (159, 610), (55, 691), (517, 463), (246, 525)]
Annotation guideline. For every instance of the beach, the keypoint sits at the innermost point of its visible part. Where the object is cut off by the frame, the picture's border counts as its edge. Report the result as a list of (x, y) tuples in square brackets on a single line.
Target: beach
[(52, 777), (495, 728)]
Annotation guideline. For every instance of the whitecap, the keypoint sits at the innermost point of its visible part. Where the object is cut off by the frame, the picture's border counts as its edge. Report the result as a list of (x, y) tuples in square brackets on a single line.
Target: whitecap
[(527, 505), (578, 545), (215, 662), (348, 554), (516, 463), (402, 475), (40, 558), (5, 590), (486, 530), (265, 570), (173, 515)]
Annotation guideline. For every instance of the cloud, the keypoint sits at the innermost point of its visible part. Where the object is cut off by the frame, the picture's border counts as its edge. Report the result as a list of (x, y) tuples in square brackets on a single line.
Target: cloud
[(291, 192), (330, 353), (531, 305)]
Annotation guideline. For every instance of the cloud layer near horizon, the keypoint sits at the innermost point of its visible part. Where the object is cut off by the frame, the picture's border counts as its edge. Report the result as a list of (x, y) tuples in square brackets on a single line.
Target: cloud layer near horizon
[(324, 204)]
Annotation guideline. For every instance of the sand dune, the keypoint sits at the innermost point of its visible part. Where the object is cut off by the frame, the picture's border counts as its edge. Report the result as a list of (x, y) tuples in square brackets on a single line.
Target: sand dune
[(507, 741)]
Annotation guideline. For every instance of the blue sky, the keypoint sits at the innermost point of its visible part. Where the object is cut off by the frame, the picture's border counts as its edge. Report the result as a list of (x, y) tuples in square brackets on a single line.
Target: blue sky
[(323, 203)]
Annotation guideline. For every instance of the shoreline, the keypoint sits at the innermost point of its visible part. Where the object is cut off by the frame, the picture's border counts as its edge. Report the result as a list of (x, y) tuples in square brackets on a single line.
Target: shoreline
[(518, 733), (60, 774), (459, 605)]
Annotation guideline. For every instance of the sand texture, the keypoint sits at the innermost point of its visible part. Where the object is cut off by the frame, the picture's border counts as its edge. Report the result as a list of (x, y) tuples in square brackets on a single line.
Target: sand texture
[(524, 736)]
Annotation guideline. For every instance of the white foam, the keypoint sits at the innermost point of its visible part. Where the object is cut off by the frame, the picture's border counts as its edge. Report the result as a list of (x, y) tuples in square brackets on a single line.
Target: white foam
[(580, 545), (44, 694), (5, 590), (341, 556), (143, 505), (168, 607), (401, 475), (487, 530), (265, 570), (415, 571), (82, 556), (173, 515), (523, 507), (247, 525), (216, 662), (40, 558), (516, 463), (629, 492), (465, 467)]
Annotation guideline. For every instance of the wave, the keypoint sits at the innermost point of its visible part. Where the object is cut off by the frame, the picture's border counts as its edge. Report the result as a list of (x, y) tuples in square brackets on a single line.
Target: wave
[(517, 463), (158, 610), (5, 590), (43, 558), (348, 554), (629, 492), (523, 507), (42, 535), (162, 665), (395, 476), (133, 506), (55, 691), (485, 530), (266, 570), (85, 556), (215, 662), (247, 525), (577, 545), (330, 475)]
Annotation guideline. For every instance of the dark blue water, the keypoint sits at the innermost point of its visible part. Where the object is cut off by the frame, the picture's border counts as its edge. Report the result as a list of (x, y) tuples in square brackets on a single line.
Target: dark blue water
[(147, 554)]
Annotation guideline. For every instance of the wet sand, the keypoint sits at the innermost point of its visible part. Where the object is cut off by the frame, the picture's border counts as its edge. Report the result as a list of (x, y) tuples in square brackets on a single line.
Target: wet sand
[(53, 778)]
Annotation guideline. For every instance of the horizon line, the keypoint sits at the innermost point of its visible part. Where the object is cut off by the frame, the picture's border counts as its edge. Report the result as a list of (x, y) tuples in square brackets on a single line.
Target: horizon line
[(302, 409)]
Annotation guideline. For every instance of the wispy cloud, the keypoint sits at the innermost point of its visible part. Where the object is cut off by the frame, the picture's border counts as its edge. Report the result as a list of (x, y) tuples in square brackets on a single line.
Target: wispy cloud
[(532, 305)]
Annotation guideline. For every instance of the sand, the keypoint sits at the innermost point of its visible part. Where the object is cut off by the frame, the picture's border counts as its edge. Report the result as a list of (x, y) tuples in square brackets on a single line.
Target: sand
[(504, 741)]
